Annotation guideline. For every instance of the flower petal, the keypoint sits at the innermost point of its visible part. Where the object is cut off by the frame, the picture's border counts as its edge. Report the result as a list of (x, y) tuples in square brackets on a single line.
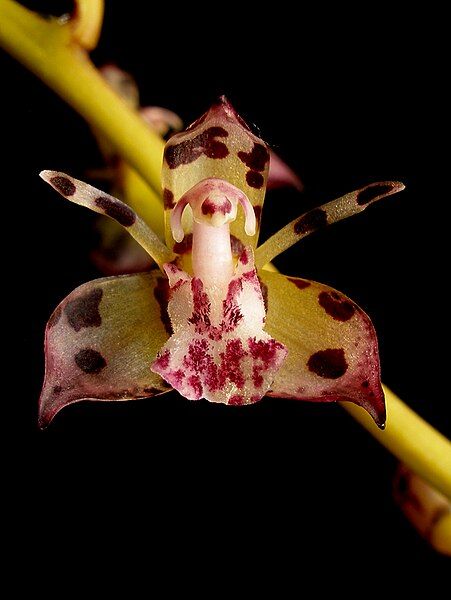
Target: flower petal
[(332, 345), (281, 175), (86, 195), (218, 145), (101, 341), (327, 214)]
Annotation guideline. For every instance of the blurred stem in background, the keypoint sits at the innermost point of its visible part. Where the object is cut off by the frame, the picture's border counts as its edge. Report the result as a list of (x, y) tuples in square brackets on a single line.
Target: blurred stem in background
[(56, 50)]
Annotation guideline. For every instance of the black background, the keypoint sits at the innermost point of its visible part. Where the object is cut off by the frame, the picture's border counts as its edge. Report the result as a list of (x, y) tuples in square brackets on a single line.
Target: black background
[(346, 99)]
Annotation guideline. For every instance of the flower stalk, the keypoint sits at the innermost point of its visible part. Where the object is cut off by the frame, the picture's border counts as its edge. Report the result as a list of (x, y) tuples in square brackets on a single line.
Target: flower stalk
[(57, 52), (411, 439)]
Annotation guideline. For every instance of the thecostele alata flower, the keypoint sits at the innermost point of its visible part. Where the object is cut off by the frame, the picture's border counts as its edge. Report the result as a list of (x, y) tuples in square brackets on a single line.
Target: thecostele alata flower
[(212, 322)]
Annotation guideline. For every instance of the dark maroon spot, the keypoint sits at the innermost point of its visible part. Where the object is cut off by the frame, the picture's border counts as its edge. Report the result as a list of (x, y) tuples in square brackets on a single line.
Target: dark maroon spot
[(201, 307), (258, 213), (231, 362), (254, 179), (168, 198), (84, 311), (264, 350), (338, 307), (90, 361), (162, 361), (244, 257), (257, 376), (311, 221), (300, 283), (185, 245), (256, 159), (161, 293), (197, 358), (264, 289), (117, 210), (57, 390), (188, 151), (236, 400), (237, 245), (194, 382), (372, 192), (330, 364), (210, 208), (55, 317), (63, 185), (365, 384)]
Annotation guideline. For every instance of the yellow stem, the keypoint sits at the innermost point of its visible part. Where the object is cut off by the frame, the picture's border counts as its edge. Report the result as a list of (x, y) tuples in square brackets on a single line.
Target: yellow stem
[(49, 50), (418, 445)]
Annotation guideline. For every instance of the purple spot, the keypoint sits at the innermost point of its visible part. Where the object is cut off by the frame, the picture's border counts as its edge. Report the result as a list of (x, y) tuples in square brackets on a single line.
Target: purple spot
[(162, 361), (57, 390), (168, 198), (188, 151), (255, 179), (330, 364), (90, 361), (300, 283), (161, 293), (311, 221), (256, 159), (84, 311), (236, 400), (264, 289), (63, 185), (335, 305), (117, 210), (196, 385), (210, 208), (186, 245), (372, 192), (237, 245)]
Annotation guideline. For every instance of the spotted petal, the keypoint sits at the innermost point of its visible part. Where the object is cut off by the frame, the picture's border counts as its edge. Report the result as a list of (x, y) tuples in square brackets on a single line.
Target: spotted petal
[(218, 145), (332, 345), (101, 341)]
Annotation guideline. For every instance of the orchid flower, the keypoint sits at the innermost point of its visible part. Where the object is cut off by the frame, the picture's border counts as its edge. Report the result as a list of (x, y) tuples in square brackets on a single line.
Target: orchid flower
[(200, 325), (118, 252), (102, 339)]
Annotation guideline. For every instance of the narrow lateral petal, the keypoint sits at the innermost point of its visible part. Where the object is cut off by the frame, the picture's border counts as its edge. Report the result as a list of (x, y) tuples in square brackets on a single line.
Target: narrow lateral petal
[(331, 342), (86, 195), (101, 341), (218, 145), (332, 212), (281, 175)]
